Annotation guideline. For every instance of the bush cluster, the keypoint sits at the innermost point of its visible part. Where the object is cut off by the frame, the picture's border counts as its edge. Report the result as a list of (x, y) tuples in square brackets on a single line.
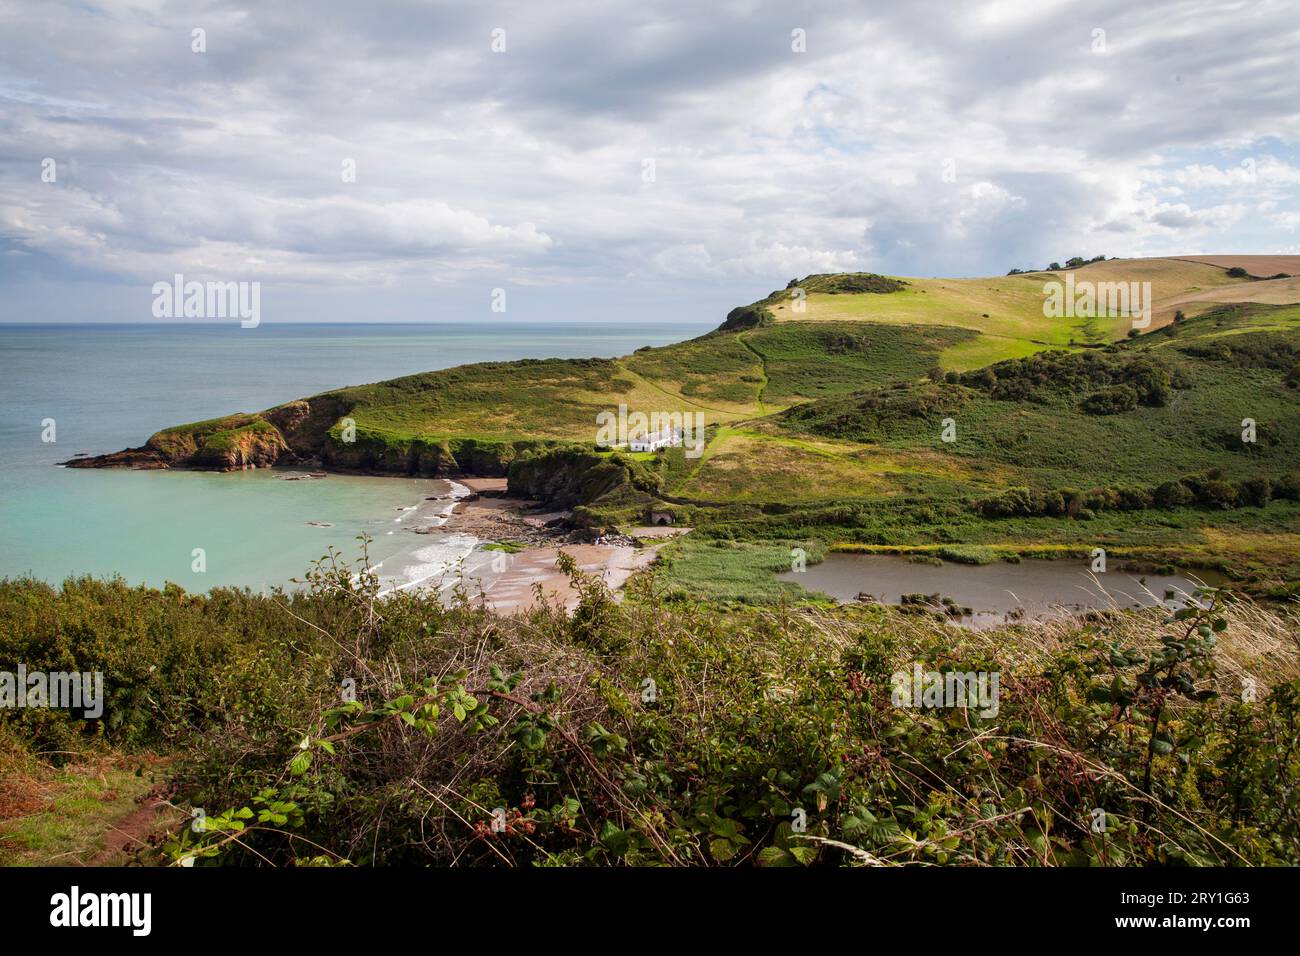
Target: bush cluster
[(1209, 490), (1047, 376)]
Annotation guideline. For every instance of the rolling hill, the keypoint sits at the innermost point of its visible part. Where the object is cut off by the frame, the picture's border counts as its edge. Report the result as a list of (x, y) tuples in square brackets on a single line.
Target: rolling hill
[(825, 401)]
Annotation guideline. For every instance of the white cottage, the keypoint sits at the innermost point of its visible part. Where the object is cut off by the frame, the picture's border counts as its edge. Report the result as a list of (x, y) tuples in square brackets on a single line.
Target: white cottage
[(653, 441)]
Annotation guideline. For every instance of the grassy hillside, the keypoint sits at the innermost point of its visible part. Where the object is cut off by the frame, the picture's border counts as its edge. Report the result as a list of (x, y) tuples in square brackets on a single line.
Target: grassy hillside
[(1007, 311), (825, 404), (846, 333)]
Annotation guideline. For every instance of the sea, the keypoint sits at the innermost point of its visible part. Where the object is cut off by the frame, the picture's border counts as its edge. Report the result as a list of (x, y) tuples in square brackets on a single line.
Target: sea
[(92, 388)]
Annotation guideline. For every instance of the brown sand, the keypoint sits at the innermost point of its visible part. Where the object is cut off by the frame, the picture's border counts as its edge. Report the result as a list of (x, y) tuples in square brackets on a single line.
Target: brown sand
[(658, 531)]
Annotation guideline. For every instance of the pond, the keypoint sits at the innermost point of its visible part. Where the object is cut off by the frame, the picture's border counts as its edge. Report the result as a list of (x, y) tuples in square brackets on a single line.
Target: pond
[(1001, 591)]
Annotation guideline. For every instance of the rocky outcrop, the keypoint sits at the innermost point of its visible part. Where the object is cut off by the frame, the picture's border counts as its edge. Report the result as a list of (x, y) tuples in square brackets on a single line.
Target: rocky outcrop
[(233, 443), (306, 423), (447, 458), (143, 458), (566, 477), (251, 447)]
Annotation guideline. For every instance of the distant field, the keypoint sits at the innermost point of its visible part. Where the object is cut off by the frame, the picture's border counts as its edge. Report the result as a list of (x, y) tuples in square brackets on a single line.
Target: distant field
[(1265, 291), (1262, 266), (1007, 311)]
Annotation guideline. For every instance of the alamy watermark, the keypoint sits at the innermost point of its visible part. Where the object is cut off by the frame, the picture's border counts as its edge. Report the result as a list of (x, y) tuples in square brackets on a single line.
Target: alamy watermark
[(133, 911), (208, 300), (970, 689), (639, 431), (1086, 300), (60, 690)]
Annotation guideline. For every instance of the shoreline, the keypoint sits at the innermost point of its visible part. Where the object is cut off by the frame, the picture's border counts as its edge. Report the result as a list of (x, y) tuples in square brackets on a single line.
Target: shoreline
[(474, 515)]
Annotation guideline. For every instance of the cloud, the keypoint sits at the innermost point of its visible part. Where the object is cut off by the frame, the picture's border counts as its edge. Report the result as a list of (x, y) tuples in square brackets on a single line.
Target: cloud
[(916, 139)]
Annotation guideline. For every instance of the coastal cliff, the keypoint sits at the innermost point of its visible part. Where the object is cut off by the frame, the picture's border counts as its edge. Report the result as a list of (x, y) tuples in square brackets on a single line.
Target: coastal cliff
[(232, 443), (313, 432)]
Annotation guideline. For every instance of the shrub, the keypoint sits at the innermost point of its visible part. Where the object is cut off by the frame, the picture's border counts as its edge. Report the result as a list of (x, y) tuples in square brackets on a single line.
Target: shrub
[(1255, 491), (1287, 487), (756, 712), (746, 317), (1217, 494), (1109, 401), (1172, 494), (968, 554), (1101, 499), (1135, 499)]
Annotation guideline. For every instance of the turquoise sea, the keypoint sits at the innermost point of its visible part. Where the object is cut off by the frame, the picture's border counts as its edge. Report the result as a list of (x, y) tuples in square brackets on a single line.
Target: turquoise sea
[(111, 386)]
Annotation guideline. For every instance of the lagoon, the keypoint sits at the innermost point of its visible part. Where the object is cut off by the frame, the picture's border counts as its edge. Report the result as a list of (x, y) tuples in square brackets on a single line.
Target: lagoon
[(998, 592)]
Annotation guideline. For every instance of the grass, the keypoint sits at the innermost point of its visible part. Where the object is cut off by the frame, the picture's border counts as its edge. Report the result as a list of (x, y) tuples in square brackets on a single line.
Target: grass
[(500, 403), (968, 554), (507, 547), (733, 572), (743, 466), (60, 816), (1007, 311), (1052, 442), (870, 468)]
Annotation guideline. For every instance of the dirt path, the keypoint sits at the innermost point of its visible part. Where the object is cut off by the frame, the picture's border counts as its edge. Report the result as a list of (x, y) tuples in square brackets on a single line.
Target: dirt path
[(131, 832), (762, 365)]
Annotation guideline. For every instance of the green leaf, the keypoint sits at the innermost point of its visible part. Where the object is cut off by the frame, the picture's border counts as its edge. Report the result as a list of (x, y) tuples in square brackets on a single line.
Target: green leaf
[(301, 761), (804, 853), (531, 737), (775, 856), (722, 849)]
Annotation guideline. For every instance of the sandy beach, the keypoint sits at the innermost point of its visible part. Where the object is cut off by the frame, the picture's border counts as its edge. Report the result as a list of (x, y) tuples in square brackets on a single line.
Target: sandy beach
[(455, 525)]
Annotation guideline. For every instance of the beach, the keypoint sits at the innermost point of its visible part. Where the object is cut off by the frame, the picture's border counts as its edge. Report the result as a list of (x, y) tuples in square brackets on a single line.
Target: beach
[(458, 526)]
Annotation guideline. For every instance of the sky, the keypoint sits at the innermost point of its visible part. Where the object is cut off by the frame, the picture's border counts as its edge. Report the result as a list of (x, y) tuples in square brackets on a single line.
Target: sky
[(622, 161)]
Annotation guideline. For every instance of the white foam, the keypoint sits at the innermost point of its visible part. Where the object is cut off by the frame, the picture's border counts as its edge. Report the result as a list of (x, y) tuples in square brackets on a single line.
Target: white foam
[(436, 563), (433, 565)]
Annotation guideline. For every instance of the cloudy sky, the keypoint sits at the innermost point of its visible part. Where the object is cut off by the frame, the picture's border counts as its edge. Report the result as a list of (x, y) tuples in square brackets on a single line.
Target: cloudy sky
[(639, 159)]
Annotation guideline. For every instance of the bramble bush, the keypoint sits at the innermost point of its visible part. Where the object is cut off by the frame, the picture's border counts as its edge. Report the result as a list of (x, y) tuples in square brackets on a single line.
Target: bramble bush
[(328, 726)]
